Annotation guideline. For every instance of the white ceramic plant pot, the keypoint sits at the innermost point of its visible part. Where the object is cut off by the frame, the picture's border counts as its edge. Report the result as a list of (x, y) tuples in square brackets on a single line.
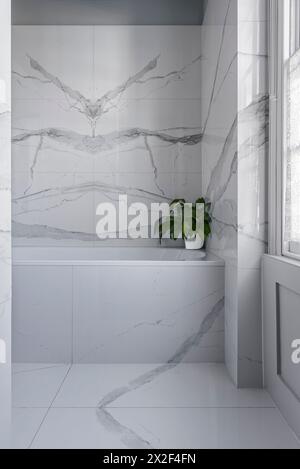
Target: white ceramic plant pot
[(194, 244)]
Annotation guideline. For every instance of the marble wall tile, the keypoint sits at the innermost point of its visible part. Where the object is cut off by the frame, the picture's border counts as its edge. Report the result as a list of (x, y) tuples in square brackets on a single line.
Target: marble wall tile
[(89, 123), (217, 11), (249, 328), (253, 119), (253, 10), (234, 161), (231, 319), (219, 152), (67, 53), (5, 223)]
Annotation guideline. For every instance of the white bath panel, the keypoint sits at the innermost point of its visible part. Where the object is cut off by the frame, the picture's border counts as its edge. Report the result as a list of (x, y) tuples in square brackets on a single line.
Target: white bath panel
[(148, 315), (42, 319)]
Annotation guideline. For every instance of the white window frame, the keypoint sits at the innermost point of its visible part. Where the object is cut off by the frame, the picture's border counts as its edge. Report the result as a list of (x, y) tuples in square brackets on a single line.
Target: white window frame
[(277, 161)]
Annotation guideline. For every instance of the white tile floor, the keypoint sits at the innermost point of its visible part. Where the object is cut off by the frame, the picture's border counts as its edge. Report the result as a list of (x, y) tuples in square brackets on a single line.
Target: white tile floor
[(141, 406)]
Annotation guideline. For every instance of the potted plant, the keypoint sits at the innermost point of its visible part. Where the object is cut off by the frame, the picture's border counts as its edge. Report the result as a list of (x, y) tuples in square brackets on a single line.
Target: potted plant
[(178, 225)]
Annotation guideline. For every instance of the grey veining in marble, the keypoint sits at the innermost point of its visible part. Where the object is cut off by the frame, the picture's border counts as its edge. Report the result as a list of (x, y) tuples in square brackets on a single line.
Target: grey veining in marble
[(215, 77), (44, 231), (93, 110), (177, 358), (234, 170), (128, 437), (137, 120), (100, 143)]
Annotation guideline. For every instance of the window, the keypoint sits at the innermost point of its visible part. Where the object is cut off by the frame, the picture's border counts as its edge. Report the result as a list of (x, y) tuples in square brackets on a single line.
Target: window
[(285, 128), (291, 83)]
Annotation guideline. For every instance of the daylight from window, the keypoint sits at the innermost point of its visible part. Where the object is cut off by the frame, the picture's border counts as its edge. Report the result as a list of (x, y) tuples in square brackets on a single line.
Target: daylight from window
[(292, 203)]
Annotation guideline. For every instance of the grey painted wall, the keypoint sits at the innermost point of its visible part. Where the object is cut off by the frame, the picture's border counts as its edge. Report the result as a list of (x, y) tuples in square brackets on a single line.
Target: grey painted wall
[(140, 12)]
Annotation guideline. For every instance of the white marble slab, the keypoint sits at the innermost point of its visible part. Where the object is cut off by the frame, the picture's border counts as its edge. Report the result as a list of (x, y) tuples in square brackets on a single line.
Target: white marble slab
[(126, 314), (25, 425), (217, 12), (253, 119), (234, 151), (187, 385), (253, 10), (36, 385), (165, 428), (117, 306), (127, 122), (140, 406)]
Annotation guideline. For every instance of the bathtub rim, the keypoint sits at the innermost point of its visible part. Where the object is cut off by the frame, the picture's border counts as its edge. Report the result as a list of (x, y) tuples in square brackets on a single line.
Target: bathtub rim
[(210, 260)]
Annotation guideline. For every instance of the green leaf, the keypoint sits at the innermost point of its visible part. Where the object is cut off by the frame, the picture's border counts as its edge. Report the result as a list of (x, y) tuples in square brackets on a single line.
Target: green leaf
[(200, 201), (207, 230), (175, 223), (177, 202)]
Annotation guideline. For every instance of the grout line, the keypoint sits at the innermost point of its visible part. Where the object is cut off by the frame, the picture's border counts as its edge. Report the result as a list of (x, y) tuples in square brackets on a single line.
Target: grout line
[(49, 408), (61, 385), (29, 407), (169, 408), (39, 427), (32, 370)]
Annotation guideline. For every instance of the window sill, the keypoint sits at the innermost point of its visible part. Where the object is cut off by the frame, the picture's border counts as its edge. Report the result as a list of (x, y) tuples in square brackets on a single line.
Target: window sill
[(286, 259)]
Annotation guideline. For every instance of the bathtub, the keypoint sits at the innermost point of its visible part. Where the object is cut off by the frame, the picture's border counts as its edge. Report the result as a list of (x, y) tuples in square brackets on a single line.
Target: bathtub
[(117, 305)]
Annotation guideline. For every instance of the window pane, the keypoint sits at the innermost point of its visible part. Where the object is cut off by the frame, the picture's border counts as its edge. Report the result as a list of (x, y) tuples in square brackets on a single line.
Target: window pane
[(292, 132)]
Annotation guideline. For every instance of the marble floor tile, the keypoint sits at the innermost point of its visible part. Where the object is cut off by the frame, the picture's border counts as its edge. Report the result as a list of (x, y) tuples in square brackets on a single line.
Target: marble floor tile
[(35, 385), (141, 406), (165, 428), (187, 385), (25, 425)]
